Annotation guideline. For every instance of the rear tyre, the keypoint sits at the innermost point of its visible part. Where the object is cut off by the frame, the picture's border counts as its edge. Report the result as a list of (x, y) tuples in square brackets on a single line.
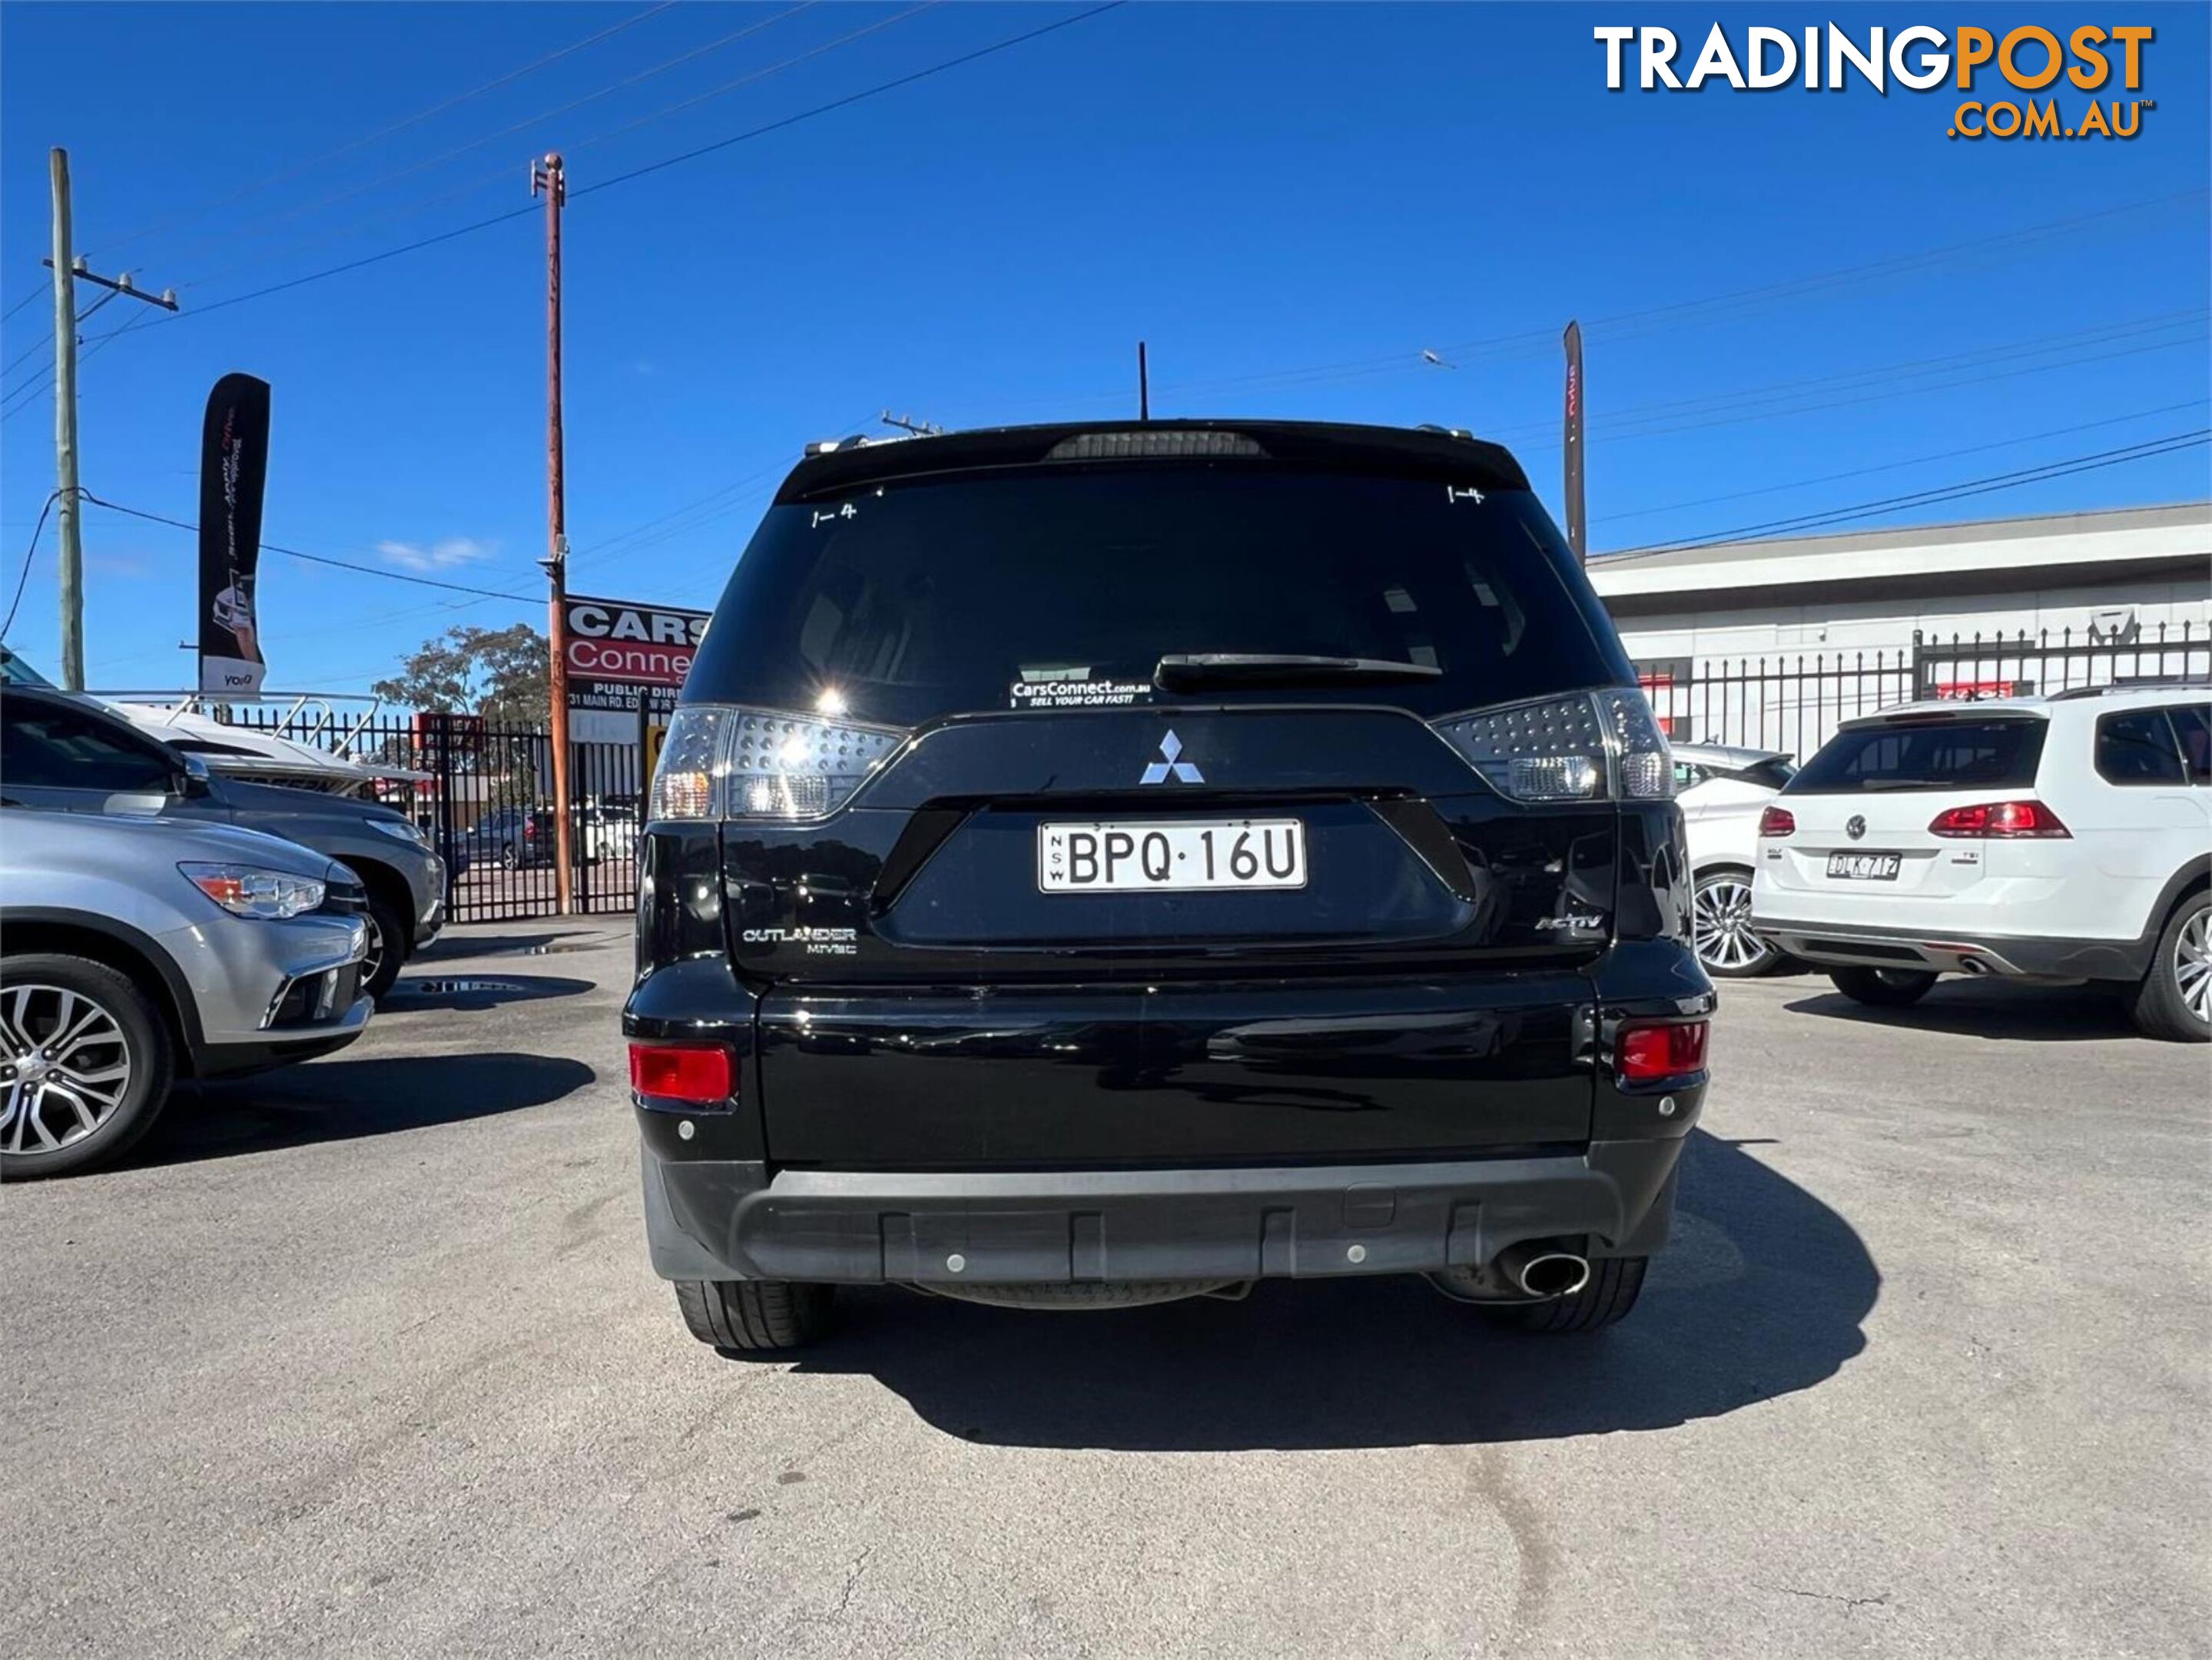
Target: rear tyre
[(1885, 988), (85, 1064), (1611, 1290), (753, 1317), (2174, 1001), (1720, 915), (509, 858)]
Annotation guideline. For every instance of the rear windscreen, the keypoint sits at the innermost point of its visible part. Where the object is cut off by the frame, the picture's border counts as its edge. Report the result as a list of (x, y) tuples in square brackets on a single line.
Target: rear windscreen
[(1063, 588), (1937, 755)]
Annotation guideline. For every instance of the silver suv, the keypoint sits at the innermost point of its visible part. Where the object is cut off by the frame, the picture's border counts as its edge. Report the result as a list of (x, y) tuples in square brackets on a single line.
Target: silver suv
[(134, 951), (72, 754)]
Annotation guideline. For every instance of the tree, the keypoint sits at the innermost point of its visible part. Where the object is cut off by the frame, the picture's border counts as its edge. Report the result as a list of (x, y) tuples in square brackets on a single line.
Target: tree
[(499, 674)]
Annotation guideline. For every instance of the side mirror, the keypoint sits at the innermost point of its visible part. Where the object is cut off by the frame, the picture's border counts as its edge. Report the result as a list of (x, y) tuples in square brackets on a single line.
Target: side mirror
[(193, 779)]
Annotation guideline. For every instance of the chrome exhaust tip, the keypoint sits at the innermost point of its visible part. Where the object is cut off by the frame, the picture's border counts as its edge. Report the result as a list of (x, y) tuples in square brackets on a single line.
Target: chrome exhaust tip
[(1552, 1273)]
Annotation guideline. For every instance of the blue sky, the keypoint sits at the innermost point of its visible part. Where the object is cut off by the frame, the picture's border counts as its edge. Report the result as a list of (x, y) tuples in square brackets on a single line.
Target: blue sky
[(1289, 203)]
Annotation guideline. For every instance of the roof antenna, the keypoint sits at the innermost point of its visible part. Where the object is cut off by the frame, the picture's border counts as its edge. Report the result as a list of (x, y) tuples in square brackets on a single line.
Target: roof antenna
[(1144, 386)]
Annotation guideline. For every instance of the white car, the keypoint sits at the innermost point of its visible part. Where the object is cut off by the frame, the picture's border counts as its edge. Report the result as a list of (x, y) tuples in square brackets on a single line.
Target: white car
[(2060, 838), (1722, 791)]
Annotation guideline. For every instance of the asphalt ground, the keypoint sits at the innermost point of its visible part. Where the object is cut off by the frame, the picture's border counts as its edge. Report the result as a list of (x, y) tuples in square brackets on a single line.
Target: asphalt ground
[(364, 1358)]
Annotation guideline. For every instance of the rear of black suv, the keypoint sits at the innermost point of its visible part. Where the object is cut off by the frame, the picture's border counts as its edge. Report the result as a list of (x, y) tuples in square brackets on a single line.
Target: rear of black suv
[(1093, 865)]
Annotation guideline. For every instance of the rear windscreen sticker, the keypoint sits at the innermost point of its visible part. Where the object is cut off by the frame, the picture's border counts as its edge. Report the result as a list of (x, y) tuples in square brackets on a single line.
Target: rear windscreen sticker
[(1076, 694), (1469, 495), (823, 516)]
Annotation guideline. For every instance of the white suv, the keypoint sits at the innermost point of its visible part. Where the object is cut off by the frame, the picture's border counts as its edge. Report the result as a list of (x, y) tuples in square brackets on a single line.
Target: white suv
[(2050, 838)]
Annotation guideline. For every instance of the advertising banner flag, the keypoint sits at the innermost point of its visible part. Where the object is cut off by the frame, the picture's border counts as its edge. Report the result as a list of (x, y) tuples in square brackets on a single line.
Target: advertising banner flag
[(233, 471), (1577, 525)]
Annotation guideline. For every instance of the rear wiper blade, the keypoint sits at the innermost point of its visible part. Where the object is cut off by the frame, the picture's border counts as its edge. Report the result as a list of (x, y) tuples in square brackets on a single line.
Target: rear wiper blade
[(1185, 671)]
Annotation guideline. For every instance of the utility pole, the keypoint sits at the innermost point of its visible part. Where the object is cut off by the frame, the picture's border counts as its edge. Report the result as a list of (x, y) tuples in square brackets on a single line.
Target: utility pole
[(67, 270), (1143, 385), (72, 549), (547, 179), (908, 423)]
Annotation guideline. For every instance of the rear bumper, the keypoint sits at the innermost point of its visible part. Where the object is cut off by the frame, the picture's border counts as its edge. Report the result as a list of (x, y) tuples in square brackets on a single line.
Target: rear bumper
[(2019, 956), (726, 1219)]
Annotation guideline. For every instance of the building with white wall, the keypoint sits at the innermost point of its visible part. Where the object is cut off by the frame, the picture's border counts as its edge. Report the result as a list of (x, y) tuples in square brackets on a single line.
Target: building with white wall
[(1772, 642)]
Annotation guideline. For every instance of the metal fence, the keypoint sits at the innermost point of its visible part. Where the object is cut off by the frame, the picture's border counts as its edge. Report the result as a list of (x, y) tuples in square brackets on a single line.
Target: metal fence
[(483, 790), (1793, 703)]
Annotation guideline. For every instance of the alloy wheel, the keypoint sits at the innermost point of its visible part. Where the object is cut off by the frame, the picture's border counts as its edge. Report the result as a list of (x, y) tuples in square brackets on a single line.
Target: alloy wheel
[(371, 962), (2192, 965), (65, 1064), (1721, 920)]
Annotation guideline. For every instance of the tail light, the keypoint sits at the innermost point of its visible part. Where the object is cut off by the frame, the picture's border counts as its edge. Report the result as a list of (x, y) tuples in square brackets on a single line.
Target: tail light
[(697, 1073), (1777, 821), (1591, 746), (723, 762), (1645, 1054), (2000, 819), (530, 829)]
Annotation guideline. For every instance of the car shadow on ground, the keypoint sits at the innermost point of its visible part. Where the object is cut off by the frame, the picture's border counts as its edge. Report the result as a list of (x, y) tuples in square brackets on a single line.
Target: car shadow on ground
[(1762, 1293), (451, 946), (1995, 1010), (414, 992), (342, 1100)]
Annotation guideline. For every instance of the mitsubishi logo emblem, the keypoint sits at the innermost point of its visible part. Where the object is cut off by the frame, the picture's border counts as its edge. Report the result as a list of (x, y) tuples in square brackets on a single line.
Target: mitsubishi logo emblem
[(1169, 767)]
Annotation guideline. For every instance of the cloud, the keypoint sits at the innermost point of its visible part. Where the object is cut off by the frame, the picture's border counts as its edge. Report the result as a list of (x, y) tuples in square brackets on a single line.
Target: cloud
[(453, 551)]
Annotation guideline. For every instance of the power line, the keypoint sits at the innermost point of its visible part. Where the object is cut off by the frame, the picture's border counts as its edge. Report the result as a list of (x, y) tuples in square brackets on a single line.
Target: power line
[(30, 553), (1893, 466), (420, 116), (1647, 318), (655, 166), (24, 302), (2172, 443), (851, 98), (312, 558), (528, 122), (728, 87)]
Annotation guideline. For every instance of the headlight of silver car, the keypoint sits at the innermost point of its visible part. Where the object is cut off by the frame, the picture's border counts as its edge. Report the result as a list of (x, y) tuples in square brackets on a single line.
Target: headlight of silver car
[(244, 890), (403, 830)]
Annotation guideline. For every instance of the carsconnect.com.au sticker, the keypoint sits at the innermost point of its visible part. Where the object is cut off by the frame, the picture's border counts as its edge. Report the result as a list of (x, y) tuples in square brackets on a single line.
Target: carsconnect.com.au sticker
[(1076, 694)]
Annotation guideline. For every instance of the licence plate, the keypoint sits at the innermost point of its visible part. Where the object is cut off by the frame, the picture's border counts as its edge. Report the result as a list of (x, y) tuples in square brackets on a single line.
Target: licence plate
[(1862, 867), (1171, 858)]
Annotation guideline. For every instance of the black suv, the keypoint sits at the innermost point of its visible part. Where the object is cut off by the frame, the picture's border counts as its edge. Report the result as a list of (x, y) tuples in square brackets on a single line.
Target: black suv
[(1093, 865)]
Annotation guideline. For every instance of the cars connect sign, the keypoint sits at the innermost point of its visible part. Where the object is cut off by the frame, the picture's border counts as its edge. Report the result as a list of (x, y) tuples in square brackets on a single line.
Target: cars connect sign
[(618, 654)]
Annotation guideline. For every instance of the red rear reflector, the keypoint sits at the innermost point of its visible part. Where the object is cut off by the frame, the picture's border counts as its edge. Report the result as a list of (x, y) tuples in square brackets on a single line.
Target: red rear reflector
[(1999, 818), (1650, 1053), (685, 1072), (1777, 821)]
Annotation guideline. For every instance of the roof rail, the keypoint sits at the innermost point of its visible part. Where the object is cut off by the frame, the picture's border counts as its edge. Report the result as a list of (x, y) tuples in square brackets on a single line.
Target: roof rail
[(2168, 682)]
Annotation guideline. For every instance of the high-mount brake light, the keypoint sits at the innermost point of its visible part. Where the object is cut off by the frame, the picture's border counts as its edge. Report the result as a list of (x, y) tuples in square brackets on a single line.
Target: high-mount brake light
[(720, 761), (2000, 821), (1777, 821), (1584, 746), (1145, 442), (1645, 1054)]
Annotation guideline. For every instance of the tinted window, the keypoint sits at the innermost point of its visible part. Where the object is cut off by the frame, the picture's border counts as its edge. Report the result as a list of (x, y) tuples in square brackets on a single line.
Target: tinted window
[(914, 599), (1931, 755), (2137, 746), (2192, 725), (51, 746)]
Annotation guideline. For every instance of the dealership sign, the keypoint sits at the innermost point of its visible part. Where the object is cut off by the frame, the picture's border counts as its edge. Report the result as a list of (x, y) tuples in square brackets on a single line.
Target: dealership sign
[(620, 654)]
